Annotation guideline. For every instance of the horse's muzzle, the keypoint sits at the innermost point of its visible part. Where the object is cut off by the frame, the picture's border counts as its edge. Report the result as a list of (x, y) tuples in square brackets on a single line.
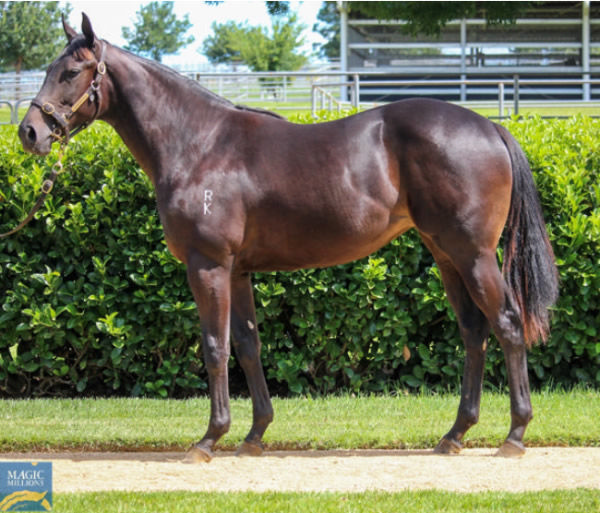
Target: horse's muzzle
[(35, 137)]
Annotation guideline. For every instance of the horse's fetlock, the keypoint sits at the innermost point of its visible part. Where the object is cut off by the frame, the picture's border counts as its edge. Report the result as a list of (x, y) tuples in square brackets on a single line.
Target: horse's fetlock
[(469, 416), (522, 415), (220, 426)]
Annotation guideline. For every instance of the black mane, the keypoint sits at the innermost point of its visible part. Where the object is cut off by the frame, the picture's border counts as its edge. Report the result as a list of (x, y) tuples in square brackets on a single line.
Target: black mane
[(259, 111)]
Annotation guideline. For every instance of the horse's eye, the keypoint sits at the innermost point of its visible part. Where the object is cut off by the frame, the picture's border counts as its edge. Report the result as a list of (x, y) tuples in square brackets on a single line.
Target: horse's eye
[(70, 74)]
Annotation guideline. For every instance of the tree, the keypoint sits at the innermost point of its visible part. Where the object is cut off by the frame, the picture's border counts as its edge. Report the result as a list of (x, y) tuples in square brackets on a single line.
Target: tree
[(278, 8), (260, 48), (430, 17), (220, 46), (328, 25), (31, 34), (157, 31)]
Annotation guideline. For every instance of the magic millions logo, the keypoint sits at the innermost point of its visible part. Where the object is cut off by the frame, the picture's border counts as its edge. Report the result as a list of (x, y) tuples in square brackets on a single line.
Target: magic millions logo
[(25, 486)]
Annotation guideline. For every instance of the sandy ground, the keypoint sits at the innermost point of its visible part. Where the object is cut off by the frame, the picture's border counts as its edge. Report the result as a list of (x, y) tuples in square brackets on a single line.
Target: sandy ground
[(349, 471)]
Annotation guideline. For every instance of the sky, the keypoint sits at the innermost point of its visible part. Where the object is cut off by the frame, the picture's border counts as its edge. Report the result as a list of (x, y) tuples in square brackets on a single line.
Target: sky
[(108, 17)]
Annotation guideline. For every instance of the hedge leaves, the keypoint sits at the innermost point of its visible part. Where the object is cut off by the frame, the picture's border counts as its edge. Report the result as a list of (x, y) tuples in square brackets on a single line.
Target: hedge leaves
[(92, 303)]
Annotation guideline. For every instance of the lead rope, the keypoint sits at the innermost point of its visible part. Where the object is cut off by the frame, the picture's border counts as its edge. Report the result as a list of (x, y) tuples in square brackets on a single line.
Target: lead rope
[(47, 185)]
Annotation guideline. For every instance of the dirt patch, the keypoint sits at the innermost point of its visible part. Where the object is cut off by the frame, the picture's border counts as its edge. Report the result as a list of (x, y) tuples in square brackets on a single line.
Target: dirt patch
[(349, 471)]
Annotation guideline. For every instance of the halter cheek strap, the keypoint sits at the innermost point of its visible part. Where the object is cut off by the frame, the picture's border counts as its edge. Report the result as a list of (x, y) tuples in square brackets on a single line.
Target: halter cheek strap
[(92, 94)]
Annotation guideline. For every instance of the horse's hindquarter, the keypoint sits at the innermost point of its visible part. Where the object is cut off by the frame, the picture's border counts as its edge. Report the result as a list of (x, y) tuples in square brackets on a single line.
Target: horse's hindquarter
[(324, 194), (455, 169)]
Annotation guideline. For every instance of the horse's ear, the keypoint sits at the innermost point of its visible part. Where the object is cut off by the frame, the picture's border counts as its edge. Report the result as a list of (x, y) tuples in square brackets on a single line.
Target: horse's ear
[(69, 31), (88, 32)]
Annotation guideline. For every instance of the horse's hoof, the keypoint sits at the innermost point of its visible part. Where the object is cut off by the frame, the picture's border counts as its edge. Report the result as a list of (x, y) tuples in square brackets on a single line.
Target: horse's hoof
[(198, 455), (511, 449), (250, 449), (447, 446)]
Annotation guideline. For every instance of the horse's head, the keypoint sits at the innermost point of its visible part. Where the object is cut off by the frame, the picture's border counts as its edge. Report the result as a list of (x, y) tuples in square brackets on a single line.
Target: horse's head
[(70, 97)]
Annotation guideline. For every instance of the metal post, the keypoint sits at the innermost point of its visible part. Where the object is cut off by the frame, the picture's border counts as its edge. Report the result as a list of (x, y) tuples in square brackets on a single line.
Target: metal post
[(585, 49), (313, 101), (501, 100), (356, 91), (14, 112), (343, 8), (516, 94), (463, 59)]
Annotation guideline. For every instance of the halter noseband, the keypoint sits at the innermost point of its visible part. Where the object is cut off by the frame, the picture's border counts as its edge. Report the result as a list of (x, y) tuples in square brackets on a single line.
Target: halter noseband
[(93, 94)]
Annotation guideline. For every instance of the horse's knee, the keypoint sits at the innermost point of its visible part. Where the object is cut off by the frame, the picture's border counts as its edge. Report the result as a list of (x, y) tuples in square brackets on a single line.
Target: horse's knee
[(216, 356), (220, 425), (247, 349)]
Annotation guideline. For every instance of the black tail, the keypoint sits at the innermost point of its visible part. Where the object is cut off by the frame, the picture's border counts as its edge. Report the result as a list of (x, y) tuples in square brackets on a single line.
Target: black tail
[(528, 267)]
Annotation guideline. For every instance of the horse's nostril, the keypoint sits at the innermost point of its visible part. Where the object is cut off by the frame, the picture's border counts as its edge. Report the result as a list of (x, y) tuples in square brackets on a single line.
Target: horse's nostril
[(31, 135), (27, 135)]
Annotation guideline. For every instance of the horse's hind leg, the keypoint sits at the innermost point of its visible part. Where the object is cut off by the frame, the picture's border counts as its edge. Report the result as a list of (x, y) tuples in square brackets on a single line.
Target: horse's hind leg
[(247, 347), (474, 330), (487, 288)]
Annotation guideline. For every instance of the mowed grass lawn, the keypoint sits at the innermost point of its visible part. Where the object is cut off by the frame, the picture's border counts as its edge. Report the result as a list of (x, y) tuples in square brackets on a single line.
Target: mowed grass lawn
[(399, 420), (559, 501), (345, 422)]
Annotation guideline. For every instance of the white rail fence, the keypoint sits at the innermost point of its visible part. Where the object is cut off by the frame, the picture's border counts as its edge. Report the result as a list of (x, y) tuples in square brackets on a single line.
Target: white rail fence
[(326, 90), (516, 89)]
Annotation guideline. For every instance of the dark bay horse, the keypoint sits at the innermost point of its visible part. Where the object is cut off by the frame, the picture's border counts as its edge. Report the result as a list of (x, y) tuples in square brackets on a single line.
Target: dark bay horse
[(239, 190)]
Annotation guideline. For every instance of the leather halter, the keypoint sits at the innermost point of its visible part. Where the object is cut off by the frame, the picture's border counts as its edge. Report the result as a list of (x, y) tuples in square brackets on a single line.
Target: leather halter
[(92, 94)]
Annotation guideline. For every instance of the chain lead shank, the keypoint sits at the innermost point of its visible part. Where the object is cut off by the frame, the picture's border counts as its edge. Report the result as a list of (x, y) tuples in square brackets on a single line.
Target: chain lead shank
[(47, 186)]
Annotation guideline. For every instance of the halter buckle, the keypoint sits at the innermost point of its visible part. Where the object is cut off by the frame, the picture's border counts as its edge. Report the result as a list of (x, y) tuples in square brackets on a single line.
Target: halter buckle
[(48, 108), (101, 68)]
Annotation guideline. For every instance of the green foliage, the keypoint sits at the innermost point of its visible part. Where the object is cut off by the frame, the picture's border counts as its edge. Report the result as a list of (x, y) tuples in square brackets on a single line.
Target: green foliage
[(278, 8), (565, 158), (157, 31), (328, 25), (430, 17), (31, 34), (92, 302), (220, 46), (260, 48)]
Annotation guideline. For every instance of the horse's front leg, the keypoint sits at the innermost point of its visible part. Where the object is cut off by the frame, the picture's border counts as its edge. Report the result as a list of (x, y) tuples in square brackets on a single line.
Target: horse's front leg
[(246, 342), (211, 285)]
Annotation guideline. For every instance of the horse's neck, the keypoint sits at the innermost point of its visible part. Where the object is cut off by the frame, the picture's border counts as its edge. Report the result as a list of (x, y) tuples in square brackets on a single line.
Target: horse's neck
[(149, 105)]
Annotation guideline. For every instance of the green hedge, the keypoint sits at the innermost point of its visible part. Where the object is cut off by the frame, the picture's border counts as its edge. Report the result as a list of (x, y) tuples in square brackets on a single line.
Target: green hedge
[(92, 303)]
